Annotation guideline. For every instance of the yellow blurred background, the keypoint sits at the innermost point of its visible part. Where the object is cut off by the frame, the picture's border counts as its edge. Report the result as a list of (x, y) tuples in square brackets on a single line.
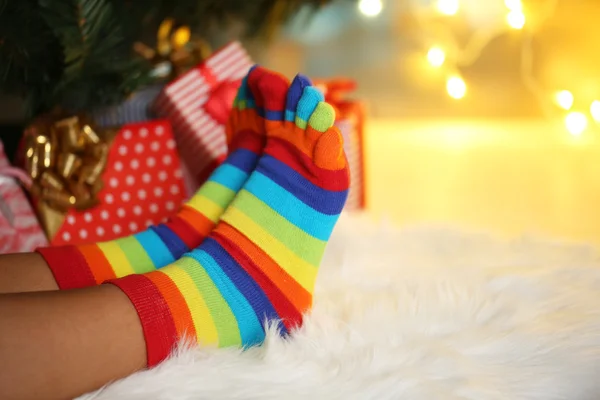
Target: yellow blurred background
[(481, 113)]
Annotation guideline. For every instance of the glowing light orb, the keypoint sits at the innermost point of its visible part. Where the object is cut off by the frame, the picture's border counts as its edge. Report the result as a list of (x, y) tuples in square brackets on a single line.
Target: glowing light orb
[(370, 8), (456, 87), (576, 123)]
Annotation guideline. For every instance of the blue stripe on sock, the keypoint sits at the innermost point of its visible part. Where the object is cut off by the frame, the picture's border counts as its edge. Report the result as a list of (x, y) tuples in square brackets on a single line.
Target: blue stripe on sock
[(271, 115), (175, 245), (322, 200), (294, 94), (155, 248), (229, 176), (290, 115), (244, 92), (243, 159), (287, 205), (251, 329), (246, 285), (308, 102)]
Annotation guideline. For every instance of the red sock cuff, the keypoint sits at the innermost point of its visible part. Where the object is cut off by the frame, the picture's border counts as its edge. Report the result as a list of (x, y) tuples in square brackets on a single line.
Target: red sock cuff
[(69, 267), (155, 316)]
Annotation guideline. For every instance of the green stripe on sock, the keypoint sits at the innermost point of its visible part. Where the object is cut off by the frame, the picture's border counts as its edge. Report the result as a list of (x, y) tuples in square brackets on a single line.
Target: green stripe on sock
[(135, 253), (241, 105), (217, 193), (300, 123), (310, 249), (227, 326)]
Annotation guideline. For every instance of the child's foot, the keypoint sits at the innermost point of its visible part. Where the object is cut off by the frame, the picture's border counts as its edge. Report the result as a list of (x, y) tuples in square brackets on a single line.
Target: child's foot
[(261, 261), (91, 264)]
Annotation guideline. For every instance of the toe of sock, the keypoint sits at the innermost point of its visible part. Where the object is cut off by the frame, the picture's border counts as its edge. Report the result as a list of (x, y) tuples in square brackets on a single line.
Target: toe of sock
[(322, 118), (295, 92), (274, 89), (253, 85), (311, 97), (329, 150)]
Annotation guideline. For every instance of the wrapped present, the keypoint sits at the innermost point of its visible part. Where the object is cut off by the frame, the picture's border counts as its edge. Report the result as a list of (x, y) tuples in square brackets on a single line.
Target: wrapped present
[(94, 185), (198, 105), (20, 231), (175, 53), (136, 108), (350, 119)]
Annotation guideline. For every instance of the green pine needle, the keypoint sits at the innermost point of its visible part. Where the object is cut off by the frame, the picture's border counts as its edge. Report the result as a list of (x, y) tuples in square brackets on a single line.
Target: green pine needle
[(78, 54)]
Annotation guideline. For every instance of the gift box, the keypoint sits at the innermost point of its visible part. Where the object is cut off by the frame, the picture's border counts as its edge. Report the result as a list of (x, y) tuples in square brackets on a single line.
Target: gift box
[(136, 108), (113, 185), (198, 104), (350, 119), (20, 231)]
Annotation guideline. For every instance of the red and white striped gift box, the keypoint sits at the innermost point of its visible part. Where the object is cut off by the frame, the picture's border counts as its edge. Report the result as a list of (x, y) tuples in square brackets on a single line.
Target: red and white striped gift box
[(198, 104), (20, 231)]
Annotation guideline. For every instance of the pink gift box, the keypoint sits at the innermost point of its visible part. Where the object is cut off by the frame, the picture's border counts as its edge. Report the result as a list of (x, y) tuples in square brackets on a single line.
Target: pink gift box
[(20, 231), (198, 104)]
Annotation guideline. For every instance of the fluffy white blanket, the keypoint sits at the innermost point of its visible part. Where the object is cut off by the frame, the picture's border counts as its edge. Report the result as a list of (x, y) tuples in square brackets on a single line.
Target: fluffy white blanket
[(417, 314)]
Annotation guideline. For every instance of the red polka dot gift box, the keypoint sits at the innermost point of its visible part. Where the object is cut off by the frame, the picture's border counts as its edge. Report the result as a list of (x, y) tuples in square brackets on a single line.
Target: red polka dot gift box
[(140, 184)]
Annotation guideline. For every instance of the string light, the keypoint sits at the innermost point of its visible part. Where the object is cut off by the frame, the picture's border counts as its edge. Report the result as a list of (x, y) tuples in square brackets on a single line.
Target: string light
[(370, 8), (564, 99), (516, 19), (576, 123), (456, 87), (513, 5), (436, 56), (595, 110), (448, 7)]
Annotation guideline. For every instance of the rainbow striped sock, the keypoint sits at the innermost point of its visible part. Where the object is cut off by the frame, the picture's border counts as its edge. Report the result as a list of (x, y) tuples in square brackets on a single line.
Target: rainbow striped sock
[(158, 246), (261, 261)]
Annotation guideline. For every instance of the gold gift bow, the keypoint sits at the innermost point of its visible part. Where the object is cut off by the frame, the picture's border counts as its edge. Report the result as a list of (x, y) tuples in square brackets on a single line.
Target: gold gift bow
[(175, 51), (65, 159)]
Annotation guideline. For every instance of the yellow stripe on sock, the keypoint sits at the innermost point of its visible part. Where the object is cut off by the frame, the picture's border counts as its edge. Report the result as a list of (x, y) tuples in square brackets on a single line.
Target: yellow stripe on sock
[(206, 330), (301, 271), (206, 207), (301, 243), (116, 258)]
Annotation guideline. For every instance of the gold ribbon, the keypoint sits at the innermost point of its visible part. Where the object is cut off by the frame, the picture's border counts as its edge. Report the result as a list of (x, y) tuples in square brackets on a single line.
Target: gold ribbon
[(65, 158), (176, 51)]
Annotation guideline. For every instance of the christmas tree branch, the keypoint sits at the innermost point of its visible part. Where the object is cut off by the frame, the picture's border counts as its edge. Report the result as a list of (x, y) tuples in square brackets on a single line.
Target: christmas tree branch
[(78, 54)]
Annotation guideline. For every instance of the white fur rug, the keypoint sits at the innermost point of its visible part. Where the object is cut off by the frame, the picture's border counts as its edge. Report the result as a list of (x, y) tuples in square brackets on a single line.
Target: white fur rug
[(419, 314)]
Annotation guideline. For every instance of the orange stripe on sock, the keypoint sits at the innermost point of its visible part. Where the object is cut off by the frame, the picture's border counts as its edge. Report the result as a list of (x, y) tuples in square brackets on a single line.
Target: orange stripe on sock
[(177, 305), (303, 140), (298, 296), (198, 221), (97, 262), (249, 119)]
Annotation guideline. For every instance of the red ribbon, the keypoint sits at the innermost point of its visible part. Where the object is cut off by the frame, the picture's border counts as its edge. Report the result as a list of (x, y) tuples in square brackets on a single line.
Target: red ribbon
[(221, 95), (335, 90)]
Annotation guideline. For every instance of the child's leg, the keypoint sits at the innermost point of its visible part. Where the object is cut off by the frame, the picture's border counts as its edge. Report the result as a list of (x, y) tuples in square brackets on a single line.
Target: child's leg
[(27, 272), (61, 344), (70, 267)]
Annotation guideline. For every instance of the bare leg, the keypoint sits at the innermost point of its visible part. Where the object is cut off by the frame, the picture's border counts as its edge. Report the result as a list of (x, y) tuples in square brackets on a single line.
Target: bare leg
[(62, 344), (27, 272)]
